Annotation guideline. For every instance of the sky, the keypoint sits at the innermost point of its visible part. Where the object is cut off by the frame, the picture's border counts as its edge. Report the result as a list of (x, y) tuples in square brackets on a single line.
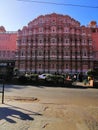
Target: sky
[(14, 14)]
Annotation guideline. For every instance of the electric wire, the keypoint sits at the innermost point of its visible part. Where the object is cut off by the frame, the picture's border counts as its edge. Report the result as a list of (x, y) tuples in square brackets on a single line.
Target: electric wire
[(63, 4)]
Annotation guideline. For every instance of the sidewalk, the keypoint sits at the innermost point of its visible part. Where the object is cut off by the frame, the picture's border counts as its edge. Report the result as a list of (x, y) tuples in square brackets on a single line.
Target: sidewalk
[(77, 83)]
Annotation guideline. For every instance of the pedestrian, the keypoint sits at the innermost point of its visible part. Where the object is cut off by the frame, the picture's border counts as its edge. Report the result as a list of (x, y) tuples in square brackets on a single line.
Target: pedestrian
[(80, 77)]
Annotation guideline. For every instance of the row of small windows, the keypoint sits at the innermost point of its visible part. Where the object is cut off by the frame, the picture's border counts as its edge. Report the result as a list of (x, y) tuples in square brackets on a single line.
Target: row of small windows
[(54, 20), (51, 65), (7, 53), (55, 40), (41, 65), (55, 29), (55, 53)]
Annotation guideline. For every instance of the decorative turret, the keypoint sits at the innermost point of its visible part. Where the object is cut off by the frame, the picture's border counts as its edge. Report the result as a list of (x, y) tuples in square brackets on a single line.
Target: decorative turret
[(93, 24), (2, 29)]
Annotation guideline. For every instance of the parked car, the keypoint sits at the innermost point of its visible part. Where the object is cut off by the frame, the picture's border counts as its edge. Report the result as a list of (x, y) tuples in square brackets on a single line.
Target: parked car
[(44, 76)]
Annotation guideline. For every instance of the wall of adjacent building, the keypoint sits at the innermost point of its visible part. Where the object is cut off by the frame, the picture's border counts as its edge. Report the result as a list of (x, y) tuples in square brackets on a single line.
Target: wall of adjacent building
[(7, 45), (7, 51)]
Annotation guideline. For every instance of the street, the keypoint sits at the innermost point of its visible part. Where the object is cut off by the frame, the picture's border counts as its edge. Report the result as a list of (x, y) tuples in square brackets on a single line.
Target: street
[(53, 108)]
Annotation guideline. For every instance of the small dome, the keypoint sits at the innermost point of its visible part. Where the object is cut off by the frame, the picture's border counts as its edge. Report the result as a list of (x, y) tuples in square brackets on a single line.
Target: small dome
[(2, 29), (93, 24)]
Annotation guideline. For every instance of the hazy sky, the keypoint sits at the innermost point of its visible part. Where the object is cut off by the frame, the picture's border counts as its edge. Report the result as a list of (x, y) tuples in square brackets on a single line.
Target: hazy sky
[(15, 14)]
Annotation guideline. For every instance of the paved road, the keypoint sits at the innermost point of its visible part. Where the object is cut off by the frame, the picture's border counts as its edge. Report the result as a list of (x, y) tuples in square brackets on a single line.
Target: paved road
[(55, 108), (53, 94)]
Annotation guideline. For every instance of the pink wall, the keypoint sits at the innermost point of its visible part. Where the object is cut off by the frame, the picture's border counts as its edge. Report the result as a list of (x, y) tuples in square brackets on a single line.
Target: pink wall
[(95, 39), (8, 41)]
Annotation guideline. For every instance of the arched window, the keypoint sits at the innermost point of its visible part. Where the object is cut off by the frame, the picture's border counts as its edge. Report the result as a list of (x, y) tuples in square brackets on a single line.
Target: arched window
[(40, 53), (67, 66), (22, 53), (84, 52), (41, 40), (40, 30), (53, 29), (66, 41), (53, 40), (66, 29)]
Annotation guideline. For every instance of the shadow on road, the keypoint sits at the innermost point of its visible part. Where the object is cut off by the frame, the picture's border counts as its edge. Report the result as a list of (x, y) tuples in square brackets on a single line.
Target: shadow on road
[(7, 113)]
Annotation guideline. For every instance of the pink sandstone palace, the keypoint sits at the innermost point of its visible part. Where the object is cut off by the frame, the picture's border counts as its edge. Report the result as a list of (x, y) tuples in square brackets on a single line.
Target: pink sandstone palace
[(56, 43)]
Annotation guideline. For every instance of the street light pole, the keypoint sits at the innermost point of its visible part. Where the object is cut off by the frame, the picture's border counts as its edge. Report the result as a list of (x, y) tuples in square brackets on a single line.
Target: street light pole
[(3, 93)]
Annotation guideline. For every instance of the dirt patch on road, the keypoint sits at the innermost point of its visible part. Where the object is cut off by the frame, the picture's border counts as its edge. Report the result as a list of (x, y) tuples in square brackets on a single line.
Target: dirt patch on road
[(22, 99)]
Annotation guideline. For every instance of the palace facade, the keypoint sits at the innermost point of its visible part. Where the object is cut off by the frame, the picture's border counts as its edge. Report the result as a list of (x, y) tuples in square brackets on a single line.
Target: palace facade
[(55, 43)]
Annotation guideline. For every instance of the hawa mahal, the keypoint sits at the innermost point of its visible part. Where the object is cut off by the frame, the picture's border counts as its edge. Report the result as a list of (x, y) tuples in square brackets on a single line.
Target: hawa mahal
[(55, 43)]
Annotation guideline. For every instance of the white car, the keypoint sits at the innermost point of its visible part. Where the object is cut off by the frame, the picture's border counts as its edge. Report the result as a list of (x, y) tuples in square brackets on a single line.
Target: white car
[(43, 76)]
